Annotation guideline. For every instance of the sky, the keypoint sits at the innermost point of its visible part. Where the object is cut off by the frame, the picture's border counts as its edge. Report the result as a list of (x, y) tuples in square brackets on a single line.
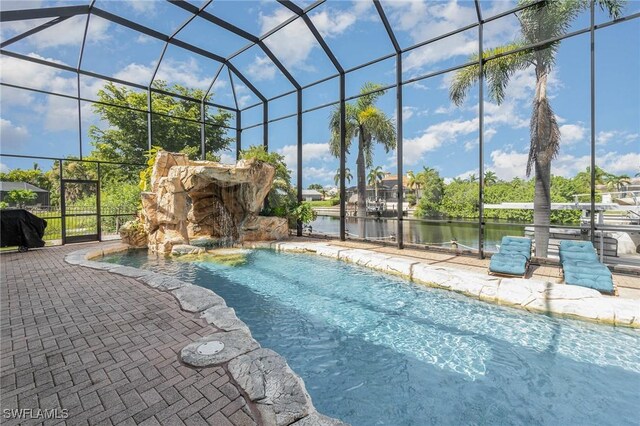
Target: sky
[(437, 133)]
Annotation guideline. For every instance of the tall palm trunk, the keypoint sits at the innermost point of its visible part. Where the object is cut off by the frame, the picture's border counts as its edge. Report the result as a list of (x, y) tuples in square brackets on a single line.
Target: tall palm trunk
[(542, 208), (544, 121), (362, 185)]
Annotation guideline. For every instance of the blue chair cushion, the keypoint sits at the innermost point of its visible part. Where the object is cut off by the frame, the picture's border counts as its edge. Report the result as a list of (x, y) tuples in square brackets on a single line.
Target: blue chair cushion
[(588, 274), (579, 256), (577, 250), (575, 243), (596, 269), (510, 264), (516, 240), (516, 245), (602, 283)]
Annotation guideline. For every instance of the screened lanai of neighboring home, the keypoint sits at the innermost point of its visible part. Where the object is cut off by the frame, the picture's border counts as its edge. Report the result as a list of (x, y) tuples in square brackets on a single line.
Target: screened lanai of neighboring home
[(88, 87)]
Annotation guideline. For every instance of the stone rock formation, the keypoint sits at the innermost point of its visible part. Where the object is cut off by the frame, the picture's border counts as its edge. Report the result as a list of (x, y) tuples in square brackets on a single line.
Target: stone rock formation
[(133, 234), (204, 204)]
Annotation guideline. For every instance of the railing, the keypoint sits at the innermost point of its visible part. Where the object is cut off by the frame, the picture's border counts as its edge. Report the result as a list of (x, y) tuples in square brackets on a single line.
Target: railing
[(462, 235), (81, 220), (634, 195)]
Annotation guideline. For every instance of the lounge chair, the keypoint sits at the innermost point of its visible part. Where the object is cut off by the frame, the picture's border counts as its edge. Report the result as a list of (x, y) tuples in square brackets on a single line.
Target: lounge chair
[(513, 258), (580, 266)]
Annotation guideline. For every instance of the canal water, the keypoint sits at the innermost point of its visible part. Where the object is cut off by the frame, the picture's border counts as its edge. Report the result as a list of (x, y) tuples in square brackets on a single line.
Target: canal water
[(417, 232)]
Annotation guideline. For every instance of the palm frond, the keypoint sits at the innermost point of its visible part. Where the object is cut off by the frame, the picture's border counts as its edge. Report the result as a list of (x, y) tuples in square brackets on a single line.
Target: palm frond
[(545, 134), (381, 128), (463, 79), (370, 93), (612, 7), (497, 72), (334, 127)]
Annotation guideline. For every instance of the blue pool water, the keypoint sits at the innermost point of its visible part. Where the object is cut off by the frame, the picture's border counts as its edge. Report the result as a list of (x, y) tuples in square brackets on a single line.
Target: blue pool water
[(377, 350)]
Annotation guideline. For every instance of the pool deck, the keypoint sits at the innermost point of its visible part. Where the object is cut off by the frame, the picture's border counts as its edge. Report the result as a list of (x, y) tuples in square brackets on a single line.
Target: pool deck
[(628, 285), (104, 348)]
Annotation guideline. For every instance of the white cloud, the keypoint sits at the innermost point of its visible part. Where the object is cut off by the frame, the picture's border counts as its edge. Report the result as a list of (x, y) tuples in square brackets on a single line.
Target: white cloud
[(332, 23), (436, 135), (36, 76), (408, 112), (445, 109), (424, 20), (572, 133), (227, 158), (616, 163), (568, 165), (4, 168), (489, 134), (310, 152), (244, 100), (510, 164), (144, 39), (187, 73), (261, 69), (13, 136), (321, 175), (66, 33), (604, 137), (58, 113), (135, 73), (504, 114), (142, 6), (464, 175), (441, 50), (293, 44), (619, 136)]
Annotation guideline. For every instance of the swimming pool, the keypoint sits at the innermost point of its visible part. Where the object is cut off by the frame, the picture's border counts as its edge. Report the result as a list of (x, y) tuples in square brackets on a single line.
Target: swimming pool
[(376, 349)]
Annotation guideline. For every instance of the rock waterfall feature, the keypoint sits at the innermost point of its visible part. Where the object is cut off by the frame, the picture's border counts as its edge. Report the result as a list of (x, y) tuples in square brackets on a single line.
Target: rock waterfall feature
[(203, 204)]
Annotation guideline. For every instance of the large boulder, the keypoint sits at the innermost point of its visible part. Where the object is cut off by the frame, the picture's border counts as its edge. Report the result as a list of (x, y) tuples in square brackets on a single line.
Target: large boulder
[(263, 228), (133, 234), (164, 162), (205, 200)]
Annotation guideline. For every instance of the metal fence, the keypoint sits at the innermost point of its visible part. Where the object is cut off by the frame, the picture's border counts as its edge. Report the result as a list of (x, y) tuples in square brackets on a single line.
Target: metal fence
[(111, 219)]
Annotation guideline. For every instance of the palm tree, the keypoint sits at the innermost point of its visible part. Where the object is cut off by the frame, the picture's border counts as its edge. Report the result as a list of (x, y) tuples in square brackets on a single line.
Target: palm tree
[(347, 176), (490, 178), (375, 178), (369, 124), (323, 192), (538, 23), (472, 178), (616, 182), (413, 182)]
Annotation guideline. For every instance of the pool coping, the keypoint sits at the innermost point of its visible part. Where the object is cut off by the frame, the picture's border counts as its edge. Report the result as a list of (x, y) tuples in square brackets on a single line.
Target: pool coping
[(263, 375), (531, 295)]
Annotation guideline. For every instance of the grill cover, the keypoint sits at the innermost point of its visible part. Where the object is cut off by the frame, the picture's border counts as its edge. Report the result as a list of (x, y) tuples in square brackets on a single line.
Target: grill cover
[(21, 228)]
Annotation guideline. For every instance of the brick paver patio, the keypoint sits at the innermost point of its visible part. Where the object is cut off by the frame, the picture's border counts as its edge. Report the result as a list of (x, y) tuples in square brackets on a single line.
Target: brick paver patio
[(103, 347)]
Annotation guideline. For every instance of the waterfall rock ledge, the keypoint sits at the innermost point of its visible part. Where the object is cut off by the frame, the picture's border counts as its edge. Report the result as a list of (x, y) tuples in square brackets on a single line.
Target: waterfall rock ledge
[(208, 201)]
